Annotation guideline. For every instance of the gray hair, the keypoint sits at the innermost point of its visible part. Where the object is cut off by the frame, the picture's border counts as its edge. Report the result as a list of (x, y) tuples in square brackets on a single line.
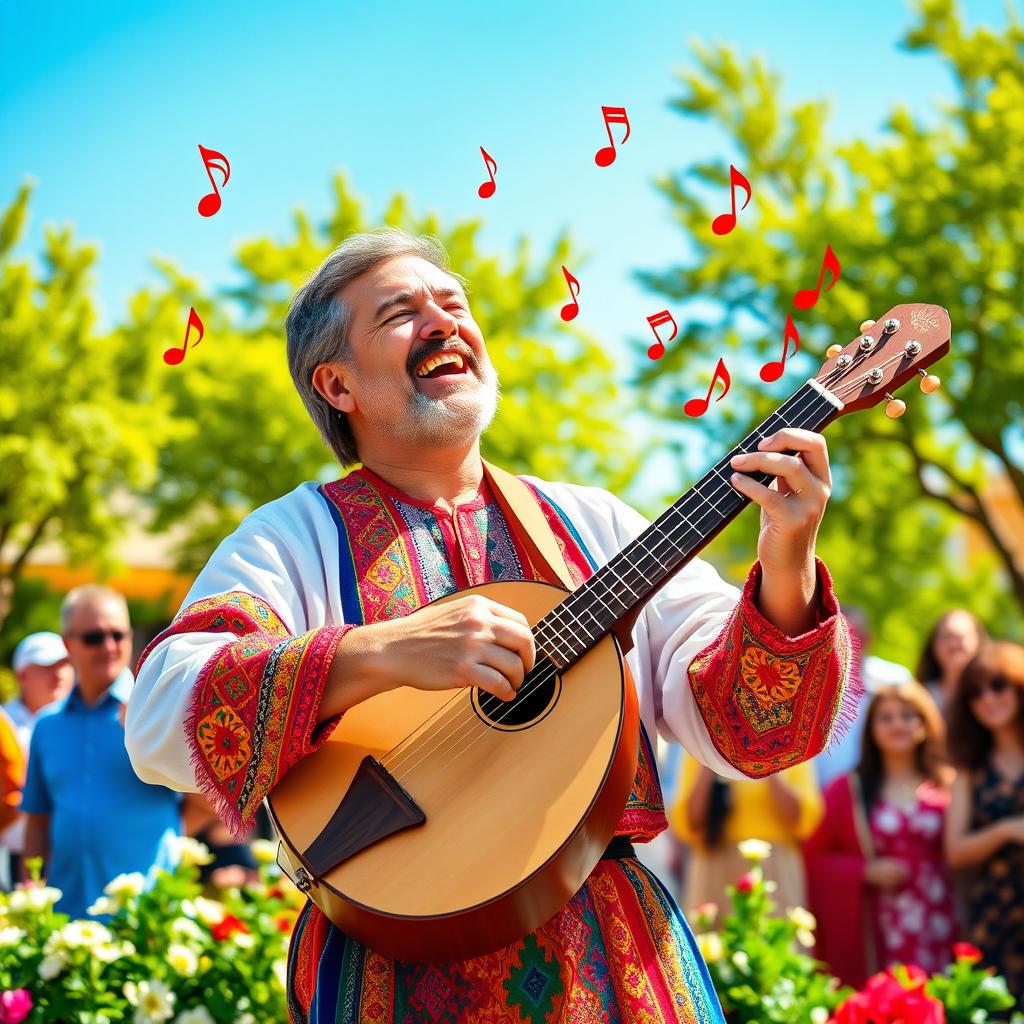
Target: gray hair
[(318, 321), (86, 593)]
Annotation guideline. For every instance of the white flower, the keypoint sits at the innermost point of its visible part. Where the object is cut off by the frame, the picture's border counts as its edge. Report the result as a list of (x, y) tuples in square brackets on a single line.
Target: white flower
[(264, 851), (246, 1018), (244, 940), (280, 969), (755, 849), (36, 897), (108, 952), (11, 936), (210, 912), (200, 1015), (125, 887), (802, 918), (52, 964), (185, 928), (84, 934), (190, 851), (819, 1015), (153, 1001), (182, 959), (741, 960), (103, 905)]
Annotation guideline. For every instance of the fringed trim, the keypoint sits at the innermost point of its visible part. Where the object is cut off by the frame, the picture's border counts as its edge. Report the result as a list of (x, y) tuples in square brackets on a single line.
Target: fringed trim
[(255, 703), (769, 700)]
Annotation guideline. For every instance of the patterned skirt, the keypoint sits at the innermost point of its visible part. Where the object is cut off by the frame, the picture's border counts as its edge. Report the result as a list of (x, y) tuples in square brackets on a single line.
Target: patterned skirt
[(618, 953)]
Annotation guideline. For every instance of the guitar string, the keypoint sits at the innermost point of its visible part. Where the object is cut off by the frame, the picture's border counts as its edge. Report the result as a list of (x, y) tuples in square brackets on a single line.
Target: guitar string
[(710, 502), (540, 679)]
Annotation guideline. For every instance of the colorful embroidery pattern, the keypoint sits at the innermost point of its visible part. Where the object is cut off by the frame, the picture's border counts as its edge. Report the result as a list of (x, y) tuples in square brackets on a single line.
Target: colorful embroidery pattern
[(618, 953), (253, 694), (769, 701)]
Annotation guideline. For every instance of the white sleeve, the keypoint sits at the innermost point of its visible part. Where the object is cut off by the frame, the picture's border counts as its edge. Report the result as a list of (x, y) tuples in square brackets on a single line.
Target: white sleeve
[(679, 622), (284, 553)]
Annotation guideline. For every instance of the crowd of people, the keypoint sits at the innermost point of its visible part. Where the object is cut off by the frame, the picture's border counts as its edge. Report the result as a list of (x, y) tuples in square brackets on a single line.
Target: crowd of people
[(907, 834)]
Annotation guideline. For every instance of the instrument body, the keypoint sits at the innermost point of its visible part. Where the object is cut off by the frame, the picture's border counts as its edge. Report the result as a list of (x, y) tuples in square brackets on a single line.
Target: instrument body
[(517, 816)]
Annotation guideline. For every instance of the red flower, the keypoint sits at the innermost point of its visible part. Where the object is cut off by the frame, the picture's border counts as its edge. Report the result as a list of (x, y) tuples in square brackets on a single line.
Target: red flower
[(227, 927), (965, 951), (284, 923), (746, 882), (896, 996), (275, 892)]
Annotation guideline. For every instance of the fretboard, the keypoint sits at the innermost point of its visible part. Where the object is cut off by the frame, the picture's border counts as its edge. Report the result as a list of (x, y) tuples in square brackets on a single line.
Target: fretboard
[(589, 612)]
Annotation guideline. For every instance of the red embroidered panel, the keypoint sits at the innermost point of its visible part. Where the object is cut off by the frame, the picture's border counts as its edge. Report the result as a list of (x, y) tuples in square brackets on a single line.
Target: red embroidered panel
[(255, 702), (771, 701)]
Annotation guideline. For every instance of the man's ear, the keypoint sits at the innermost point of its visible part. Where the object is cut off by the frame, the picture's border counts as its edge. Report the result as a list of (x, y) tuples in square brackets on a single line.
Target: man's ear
[(332, 381)]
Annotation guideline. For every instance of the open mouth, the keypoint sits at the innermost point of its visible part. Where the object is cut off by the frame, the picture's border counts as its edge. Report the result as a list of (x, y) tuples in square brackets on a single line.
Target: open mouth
[(440, 364)]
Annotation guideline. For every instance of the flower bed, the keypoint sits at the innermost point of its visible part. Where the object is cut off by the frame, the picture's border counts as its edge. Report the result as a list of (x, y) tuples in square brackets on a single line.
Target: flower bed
[(152, 954)]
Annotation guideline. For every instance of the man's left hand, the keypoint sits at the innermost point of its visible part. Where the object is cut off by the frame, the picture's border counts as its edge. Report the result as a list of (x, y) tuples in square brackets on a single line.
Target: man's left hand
[(791, 511)]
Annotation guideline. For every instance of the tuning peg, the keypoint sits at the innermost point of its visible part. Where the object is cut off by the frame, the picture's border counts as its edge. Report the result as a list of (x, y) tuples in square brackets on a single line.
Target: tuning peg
[(929, 382), (864, 326), (833, 350), (894, 408)]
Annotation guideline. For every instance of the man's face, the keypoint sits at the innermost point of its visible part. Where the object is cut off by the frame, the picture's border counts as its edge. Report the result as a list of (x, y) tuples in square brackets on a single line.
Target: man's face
[(404, 311), (98, 663), (42, 684)]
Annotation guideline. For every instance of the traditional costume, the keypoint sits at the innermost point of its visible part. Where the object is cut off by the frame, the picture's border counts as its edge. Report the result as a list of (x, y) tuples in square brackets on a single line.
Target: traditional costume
[(227, 700)]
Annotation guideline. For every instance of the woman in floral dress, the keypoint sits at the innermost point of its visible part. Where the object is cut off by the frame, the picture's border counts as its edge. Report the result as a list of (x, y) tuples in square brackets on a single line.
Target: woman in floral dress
[(877, 878), (985, 829)]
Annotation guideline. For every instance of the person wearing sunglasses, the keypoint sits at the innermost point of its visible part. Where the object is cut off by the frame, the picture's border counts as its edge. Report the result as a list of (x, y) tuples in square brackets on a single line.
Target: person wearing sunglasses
[(87, 812), (985, 822)]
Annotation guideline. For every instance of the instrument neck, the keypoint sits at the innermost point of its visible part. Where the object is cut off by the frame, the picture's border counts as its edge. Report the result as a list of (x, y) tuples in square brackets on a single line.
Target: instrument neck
[(628, 581)]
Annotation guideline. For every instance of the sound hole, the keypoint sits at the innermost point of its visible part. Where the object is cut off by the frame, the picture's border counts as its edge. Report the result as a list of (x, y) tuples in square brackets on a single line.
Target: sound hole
[(536, 697)]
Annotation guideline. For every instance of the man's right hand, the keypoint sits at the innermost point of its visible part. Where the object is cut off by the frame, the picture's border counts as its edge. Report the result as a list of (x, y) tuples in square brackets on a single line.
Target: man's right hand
[(468, 641)]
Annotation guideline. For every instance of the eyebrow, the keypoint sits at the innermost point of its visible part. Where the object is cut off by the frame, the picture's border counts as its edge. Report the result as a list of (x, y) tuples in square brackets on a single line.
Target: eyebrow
[(408, 296)]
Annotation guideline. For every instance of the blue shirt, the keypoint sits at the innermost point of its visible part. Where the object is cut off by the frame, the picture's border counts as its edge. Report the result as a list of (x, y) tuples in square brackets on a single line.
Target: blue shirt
[(103, 820)]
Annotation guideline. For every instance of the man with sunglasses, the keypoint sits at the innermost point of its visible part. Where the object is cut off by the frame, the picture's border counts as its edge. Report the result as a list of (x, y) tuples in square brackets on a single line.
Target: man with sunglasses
[(88, 814)]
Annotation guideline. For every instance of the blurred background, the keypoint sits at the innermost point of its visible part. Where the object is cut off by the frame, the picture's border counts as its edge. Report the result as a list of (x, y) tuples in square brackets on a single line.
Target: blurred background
[(892, 132)]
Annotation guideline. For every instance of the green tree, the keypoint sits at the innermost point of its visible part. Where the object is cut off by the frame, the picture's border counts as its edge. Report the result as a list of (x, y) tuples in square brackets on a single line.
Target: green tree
[(928, 211), (69, 439)]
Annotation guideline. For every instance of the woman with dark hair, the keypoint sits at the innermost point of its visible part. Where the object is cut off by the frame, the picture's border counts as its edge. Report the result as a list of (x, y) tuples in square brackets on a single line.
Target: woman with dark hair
[(956, 637), (876, 876), (985, 827)]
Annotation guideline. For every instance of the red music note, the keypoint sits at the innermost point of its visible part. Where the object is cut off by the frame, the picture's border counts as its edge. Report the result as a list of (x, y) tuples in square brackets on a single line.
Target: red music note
[(773, 370), (212, 160), (807, 297), (612, 115), (486, 190), (699, 406), (657, 350), (570, 309), (724, 223), (173, 356)]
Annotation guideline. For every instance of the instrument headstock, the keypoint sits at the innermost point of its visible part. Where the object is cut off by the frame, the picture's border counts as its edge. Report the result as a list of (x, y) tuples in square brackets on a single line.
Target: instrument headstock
[(885, 355)]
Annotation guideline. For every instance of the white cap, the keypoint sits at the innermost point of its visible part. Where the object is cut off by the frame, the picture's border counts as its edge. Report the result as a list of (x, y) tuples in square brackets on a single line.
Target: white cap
[(39, 649)]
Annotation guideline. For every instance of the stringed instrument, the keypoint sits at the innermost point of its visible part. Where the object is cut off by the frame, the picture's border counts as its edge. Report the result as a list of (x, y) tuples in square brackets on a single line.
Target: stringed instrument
[(440, 825)]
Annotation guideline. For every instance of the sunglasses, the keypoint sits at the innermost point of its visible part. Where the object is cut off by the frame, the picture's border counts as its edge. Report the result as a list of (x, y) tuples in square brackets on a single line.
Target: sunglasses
[(996, 685), (95, 637)]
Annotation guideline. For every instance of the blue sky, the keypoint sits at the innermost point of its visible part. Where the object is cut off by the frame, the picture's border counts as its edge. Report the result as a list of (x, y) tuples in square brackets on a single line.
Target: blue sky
[(104, 104)]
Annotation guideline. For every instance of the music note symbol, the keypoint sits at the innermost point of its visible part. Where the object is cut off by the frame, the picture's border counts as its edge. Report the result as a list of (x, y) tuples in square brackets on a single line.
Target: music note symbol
[(773, 370), (699, 406), (725, 222), (173, 356), (486, 190), (612, 115), (570, 309), (657, 350), (807, 297), (212, 160)]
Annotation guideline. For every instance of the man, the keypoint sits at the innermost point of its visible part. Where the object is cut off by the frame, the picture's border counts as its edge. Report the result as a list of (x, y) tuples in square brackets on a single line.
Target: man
[(304, 612), (88, 815), (44, 675)]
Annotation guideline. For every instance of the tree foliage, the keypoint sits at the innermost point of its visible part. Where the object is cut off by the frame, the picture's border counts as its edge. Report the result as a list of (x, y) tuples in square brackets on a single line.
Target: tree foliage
[(927, 210)]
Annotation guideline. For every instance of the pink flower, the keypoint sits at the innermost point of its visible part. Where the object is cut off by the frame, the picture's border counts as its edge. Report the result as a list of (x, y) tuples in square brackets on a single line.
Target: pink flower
[(15, 1006), (746, 882)]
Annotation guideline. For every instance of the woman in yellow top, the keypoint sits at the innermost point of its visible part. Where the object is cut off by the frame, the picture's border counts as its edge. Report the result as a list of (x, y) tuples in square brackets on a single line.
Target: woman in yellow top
[(711, 815)]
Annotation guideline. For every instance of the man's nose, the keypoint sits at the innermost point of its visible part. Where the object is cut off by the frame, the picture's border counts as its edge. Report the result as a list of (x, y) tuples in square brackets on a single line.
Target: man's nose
[(438, 323)]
